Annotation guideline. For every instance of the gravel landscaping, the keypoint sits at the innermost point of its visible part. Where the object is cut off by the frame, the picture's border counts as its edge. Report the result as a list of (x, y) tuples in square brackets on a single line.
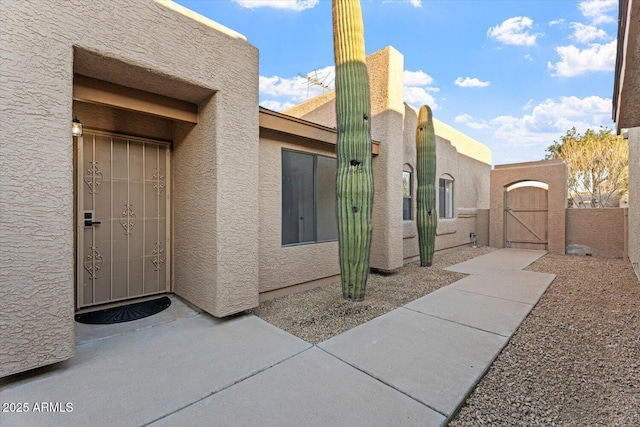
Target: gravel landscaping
[(575, 360), (321, 313)]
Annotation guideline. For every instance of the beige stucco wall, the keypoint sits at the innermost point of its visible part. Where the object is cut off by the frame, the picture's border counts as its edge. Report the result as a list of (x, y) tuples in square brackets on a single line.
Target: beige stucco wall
[(320, 109), (463, 144), (596, 232), (470, 189), (551, 172), (286, 266), (150, 46), (634, 199), (482, 227), (386, 69)]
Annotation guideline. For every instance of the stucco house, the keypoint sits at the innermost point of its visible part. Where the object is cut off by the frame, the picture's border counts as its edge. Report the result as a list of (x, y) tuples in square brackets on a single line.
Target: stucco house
[(179, 183), (462, 168), (626, 113)]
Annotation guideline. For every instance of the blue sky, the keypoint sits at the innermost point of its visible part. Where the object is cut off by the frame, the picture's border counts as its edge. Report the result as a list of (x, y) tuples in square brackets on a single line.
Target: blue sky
[(513, 74)]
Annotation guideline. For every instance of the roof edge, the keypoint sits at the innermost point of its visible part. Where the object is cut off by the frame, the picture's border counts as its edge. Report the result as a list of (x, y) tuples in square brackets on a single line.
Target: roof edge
[(169, 4)]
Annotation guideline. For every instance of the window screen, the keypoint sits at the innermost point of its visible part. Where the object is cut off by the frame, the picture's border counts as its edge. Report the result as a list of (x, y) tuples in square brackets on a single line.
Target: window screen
[(446, 198), (308, 198)]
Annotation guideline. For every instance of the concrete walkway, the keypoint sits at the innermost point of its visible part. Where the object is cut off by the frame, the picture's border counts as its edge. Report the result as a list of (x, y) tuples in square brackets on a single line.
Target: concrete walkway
[(413, 366)]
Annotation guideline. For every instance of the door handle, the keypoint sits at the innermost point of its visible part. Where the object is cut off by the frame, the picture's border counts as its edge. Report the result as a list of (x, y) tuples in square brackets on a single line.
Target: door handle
[(88, 219)]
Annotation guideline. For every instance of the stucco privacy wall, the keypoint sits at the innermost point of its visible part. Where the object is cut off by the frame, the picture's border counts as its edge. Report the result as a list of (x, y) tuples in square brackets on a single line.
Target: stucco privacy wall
[(634, 199), (148, 45), (596, 232), (551, 172), (471, 184)]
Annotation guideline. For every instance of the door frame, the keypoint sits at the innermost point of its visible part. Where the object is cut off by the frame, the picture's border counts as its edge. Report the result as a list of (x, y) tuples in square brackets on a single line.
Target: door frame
[(510, 215), (78, 143)]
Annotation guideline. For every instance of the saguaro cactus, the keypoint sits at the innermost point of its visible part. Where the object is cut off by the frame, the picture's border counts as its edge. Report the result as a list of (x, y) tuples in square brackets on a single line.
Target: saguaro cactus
[(426, 170), (354, 186)]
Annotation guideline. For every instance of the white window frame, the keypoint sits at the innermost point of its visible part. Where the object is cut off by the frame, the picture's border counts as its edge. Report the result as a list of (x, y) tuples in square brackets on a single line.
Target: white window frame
[(407, 193), (446, 189)]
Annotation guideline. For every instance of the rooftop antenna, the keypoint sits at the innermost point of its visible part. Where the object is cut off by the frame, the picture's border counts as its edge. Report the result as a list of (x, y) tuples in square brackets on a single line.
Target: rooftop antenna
[(316, 81)]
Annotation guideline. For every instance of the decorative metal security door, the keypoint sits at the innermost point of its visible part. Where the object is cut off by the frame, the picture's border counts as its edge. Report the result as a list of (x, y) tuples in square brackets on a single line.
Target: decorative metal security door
[(123, 218), (526, 218)]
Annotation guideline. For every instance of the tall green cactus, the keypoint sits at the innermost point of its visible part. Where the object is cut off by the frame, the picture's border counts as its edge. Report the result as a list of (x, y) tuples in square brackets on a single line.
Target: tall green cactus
[(426, 170), (354, 186)]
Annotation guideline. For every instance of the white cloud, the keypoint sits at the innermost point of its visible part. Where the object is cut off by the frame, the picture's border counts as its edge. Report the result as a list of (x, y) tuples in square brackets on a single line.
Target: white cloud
[(418, 96), (295, 88), (598, 11), (556, 22), (514, 31), (586, 33), (575, 61), (546, 122), (417, 78), (470, 82), (414, 3), (471, 122), (276, 105), (296, 5), (417, 88), (529, 57)]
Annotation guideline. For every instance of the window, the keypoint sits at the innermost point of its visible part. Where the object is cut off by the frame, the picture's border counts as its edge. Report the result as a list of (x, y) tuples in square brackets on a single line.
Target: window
[(308, 198), (406, 196), (446, 197)]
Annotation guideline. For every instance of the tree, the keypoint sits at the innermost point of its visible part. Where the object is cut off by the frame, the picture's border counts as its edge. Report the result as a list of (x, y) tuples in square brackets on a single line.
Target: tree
[(597, 165), (354, 177)]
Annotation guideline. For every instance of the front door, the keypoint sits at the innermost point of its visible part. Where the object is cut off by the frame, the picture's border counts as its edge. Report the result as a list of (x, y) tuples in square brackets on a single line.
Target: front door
[(123, 218), (526, 218)]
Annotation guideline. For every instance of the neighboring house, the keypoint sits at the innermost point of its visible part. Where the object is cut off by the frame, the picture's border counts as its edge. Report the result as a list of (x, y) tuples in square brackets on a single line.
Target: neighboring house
[(584, 200), (179, 182), (463, 167), (626, 113), (298, 245)]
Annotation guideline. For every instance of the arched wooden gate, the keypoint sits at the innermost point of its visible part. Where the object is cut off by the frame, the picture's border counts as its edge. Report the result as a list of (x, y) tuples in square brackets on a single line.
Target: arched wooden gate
[(536, 216), (526, 216)]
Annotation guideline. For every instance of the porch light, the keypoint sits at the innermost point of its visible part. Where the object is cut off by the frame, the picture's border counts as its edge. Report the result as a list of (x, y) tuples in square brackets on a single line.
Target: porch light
[(76, 127)]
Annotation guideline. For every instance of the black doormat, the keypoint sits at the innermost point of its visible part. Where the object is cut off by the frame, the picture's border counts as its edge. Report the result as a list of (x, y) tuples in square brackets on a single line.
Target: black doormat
[(125, 313)]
